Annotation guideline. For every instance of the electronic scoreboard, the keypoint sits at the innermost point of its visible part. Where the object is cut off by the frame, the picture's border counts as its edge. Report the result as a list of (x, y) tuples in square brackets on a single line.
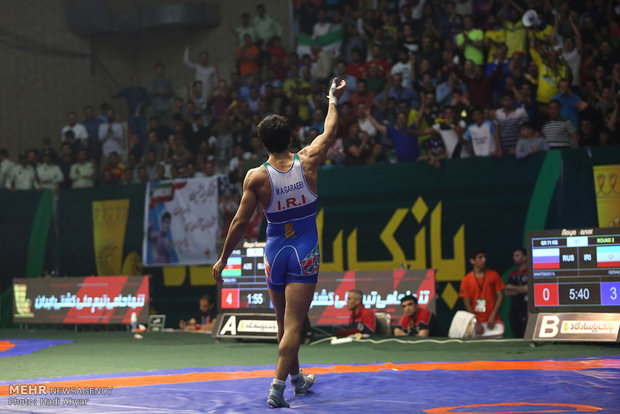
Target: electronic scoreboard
[(244, 279), (574, 272)]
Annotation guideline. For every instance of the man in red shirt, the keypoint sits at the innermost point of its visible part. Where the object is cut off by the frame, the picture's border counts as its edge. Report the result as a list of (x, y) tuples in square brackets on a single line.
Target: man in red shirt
[(416, 321), (482, 291), (377, 58), (361, 318), (363, 95)]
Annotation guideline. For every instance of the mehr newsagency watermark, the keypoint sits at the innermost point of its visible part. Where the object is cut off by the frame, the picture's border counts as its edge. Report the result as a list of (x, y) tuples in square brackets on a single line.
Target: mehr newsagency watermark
[(44, 395)]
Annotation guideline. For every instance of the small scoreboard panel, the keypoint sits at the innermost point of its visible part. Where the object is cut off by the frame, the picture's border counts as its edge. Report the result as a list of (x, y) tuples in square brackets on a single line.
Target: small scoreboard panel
[(244, 279), (576, 270)]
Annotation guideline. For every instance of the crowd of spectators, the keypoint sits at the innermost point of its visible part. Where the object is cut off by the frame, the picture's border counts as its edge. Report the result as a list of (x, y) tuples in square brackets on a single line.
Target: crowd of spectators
[(427, 80)]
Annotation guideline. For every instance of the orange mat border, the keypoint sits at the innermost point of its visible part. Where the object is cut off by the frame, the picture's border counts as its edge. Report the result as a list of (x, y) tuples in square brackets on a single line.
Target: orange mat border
[(137, 381)]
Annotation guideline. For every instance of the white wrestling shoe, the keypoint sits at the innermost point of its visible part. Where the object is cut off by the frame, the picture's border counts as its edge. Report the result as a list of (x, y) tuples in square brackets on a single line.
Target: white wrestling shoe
[(303, 383), (276, 396)]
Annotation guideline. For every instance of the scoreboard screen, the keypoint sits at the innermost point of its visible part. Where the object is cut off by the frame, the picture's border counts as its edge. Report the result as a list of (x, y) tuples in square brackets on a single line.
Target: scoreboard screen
[(244, 279), (574, 270)]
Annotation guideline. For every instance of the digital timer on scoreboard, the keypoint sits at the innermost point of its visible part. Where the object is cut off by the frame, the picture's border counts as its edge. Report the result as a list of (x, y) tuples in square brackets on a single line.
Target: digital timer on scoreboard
[(576, 270)]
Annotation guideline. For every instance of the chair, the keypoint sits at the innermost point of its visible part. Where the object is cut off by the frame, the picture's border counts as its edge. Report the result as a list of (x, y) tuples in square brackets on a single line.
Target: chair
[(384, 324)]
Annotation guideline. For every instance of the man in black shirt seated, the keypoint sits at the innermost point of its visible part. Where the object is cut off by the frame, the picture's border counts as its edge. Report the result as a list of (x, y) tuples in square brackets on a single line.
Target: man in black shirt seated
[(205, 318)]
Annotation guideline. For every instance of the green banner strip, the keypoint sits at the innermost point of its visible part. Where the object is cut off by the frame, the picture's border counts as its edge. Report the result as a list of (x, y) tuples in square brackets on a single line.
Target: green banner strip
[(542, 195), (39, 234), (326, 39)]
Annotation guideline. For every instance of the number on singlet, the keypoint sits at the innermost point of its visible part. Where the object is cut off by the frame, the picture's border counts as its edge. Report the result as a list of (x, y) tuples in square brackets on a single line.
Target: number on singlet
[(546, 294)]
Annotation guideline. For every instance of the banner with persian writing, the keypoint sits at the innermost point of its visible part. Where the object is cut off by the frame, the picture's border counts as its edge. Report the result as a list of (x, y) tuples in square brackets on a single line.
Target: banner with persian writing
[(180, 222), (81, 300)]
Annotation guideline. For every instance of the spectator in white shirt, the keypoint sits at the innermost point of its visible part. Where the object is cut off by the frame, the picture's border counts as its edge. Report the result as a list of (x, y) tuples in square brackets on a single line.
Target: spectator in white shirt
[(204, 72), (22, 176), (245, 28), (111, 135), (6, 165), (322, 26), (265, 25), (403, 67), (82, 172), (79, 130), (48, 173), (481, 135)]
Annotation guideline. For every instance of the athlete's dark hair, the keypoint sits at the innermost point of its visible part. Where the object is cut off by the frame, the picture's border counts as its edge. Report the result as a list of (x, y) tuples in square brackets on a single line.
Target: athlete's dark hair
[(476, 251), (407, 298), (522, 250), (274, 132), (165, 216)]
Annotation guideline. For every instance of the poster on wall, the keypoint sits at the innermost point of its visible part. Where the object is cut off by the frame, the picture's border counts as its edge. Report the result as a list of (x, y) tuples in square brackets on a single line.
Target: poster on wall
[(180, 222)]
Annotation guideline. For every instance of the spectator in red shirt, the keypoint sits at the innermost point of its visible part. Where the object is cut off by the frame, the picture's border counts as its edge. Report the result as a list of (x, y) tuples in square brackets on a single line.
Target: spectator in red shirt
[(247, 57), (277, 57), (361, 318), (363, 95), (377, 58), (479, 86), (416, 321), (356, 68), (114, 168), (482, 291)]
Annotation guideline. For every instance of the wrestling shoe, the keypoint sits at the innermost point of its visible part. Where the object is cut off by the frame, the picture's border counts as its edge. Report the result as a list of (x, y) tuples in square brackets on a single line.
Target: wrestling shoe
[(276, 396), (302, 383)]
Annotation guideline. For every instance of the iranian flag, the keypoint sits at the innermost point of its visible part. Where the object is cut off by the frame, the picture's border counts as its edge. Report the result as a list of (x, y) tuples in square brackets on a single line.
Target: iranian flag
[(329, 42), (164, 192), (608, 256)]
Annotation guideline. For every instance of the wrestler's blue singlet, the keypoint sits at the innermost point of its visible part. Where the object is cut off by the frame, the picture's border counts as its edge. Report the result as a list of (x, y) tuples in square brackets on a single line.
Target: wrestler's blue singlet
[(292, 249)]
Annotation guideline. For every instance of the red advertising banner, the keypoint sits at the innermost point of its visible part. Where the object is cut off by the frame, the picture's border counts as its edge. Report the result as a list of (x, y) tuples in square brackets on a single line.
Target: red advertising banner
[(81, 300), (382, 291)]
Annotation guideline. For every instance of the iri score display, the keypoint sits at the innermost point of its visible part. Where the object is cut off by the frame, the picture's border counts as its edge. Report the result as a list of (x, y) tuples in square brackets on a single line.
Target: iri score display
[(575, 269)]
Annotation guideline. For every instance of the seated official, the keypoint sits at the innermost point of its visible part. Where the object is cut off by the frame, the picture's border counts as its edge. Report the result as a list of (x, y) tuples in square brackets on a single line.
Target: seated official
[(416, 321), (205, 319), (362, 320)]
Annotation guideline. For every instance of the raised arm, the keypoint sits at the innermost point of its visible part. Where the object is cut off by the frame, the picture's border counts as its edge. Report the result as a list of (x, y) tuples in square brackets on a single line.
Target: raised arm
[(379, 127), (186, 60), (316, 152), (239, 224), (576, 33)]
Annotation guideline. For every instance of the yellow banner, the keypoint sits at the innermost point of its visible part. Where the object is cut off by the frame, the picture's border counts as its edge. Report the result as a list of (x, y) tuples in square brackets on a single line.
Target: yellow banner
[(607, 194), (109, 225)]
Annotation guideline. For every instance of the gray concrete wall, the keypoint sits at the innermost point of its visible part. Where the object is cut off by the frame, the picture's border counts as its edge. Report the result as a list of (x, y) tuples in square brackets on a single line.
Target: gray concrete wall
[(45, 70)]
